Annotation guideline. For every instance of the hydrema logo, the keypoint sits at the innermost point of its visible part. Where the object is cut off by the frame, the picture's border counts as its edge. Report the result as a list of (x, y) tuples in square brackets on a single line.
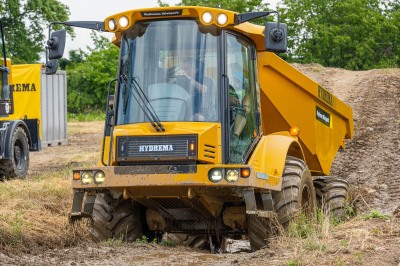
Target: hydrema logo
[(146, 148), (23, 87)]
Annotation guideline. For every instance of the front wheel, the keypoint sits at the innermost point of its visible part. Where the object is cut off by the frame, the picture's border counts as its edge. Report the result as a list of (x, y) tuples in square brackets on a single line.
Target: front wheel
[(297, 193), (115, 219), (18, 165)]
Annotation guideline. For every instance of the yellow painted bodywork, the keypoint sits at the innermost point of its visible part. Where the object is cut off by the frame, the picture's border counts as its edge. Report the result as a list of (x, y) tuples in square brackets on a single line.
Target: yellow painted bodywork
[(169, 13), (268, 158), (289, 98), (27, 99), (209, 136), (266, 163)]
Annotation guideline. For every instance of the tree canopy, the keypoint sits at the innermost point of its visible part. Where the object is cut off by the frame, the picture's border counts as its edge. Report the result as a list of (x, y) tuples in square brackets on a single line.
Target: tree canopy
[(24, 24), (240, 6), (351, 34), (89, 74)]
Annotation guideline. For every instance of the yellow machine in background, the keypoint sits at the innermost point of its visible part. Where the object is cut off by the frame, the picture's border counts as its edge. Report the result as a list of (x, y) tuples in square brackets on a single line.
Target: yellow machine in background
[(30, 107), (208, 133), (18, 135)]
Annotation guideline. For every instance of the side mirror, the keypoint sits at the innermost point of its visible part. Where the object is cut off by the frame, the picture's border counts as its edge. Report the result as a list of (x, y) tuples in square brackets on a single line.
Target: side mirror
[(275, 37), (51, 67), (56, 44)]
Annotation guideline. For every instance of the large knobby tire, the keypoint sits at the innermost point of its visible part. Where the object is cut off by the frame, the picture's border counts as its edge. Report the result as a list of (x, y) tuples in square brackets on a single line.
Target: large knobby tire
[(115, 219), (297, 193), (259, 231), (18, 165), (332, 196)]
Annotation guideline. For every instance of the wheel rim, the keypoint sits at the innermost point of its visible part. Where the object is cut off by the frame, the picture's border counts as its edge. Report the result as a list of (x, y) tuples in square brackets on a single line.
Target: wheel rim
[(19, 156)]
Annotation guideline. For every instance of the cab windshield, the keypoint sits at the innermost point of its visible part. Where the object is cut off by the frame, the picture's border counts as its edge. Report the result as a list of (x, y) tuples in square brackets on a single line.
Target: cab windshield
[(168, 68)]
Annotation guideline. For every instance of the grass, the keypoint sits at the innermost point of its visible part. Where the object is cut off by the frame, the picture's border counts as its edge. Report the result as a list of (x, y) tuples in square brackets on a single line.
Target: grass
[(87, 117), (330, 241), (375, 214), (114, 242), (34, 212)]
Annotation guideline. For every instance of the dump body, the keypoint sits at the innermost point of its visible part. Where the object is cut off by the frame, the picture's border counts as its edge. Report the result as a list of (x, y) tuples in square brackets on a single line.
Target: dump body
[(291, 99)]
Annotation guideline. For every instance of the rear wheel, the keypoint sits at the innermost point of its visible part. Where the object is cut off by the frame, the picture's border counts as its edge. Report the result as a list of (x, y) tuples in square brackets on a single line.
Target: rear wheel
[(332, 196), (115, 219), (18, 165)]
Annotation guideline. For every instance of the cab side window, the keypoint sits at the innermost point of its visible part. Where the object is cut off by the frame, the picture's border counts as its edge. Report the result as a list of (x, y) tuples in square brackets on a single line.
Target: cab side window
[(241, 75)]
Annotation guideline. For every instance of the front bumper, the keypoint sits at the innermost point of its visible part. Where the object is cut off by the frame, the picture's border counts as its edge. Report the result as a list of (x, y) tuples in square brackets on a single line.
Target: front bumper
[(128, 177)]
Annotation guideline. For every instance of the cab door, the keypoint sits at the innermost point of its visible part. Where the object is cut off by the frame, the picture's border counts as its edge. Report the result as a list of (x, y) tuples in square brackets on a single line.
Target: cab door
[(5, 98), (243, 111)]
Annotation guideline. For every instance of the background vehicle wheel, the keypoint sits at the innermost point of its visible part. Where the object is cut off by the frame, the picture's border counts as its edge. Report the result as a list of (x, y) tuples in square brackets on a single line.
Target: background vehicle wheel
[(297, 193), (332, 195), (115, 219), (18, 165)]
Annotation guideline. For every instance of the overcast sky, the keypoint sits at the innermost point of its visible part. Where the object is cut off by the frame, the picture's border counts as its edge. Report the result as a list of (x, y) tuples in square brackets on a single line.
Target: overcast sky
[(98, 10)]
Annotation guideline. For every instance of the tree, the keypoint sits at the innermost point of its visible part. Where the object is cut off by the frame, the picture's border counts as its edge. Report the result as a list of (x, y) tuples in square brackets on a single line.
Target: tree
[(352, 34), (240, 6), (89, 75), (24, 23)]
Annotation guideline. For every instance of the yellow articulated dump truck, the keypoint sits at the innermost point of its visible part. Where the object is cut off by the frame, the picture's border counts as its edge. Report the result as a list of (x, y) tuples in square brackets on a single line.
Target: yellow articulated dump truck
[(208, 133)]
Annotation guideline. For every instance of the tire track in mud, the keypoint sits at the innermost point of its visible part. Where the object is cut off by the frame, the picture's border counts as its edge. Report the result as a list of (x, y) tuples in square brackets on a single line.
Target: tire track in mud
[(371, 162)]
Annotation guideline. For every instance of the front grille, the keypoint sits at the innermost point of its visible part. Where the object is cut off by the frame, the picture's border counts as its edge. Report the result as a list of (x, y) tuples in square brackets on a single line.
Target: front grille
[(145, 148)]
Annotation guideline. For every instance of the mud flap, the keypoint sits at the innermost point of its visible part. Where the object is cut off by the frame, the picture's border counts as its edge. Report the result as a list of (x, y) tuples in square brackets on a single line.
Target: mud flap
[(76, 211)]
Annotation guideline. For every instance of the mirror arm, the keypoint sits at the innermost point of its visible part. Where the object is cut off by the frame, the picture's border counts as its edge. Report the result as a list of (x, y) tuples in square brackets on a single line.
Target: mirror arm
[(278, 34), (91, 25), (240, 18)]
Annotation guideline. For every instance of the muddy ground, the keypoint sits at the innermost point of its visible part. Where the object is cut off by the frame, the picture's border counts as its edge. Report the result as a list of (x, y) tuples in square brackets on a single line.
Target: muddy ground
[(370, 163)]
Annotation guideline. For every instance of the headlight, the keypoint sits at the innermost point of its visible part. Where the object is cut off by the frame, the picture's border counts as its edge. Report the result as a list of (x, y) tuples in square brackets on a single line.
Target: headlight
[(232, 176), (112, 24), (207, 17), (99, 177), (215, 175), (86, 178), (123, 22), (222, 19)]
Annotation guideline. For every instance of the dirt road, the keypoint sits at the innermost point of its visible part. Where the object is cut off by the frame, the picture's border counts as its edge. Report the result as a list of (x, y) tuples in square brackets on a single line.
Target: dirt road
[(370, 163)]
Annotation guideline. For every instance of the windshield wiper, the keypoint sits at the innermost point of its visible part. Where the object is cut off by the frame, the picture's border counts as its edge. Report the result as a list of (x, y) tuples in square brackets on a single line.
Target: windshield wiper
[(142, 101)]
